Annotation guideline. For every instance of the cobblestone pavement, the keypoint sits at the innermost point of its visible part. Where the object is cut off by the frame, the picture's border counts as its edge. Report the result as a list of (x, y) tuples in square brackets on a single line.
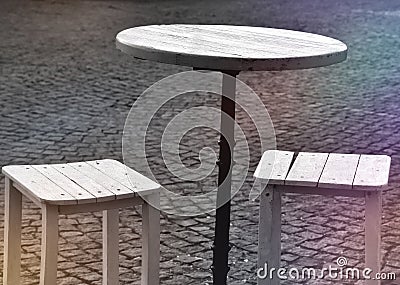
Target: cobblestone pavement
[(66, 91)]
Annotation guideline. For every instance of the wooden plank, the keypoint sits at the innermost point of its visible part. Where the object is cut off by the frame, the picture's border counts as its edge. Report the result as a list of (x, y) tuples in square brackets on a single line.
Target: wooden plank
[(29, 195), (49, 247), (269, 236), (339, 171), (105, 205), (274, 166), (79, 193), (12, 234), (94, 188), (101, 178), (111, 247), (151, 241), (126, 176), (372, 172), (223, 47), (162, 36), (320, 191), (306, 169), (373, 217), (38, 185)]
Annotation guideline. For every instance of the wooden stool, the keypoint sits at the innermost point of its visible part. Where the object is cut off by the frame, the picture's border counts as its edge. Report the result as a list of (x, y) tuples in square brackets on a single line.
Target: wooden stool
[(102, 185), (350, 175)]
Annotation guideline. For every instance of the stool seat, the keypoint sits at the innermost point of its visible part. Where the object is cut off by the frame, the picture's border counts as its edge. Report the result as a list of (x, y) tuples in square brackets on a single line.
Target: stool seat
[(324, 170), (80, 187), (80, 182), (330, 174)]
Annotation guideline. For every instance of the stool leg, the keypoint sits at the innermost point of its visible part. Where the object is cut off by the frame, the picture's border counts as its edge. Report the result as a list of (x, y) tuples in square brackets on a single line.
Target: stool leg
[(111, 247), (48, 268), (12, 235), (269, 236), (151, 241), (373, 214)]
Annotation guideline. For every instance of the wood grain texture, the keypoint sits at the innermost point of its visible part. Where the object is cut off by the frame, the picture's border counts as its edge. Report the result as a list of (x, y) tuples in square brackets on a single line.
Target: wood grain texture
[(223, 47), (111, 247), (113, 185), (12, 234), (306, 169), (79, 193), (373, 221), (79, 182), (274, 166), (323, 170), (126, 176), (151, 241), (322, 191), (49, 245), (372, 172), (99, 191), (339, 171), (38, 185), (269, 235)]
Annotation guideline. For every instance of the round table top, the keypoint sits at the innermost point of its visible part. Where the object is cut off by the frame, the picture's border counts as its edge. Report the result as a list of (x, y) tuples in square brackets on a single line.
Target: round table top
[(231, 48)]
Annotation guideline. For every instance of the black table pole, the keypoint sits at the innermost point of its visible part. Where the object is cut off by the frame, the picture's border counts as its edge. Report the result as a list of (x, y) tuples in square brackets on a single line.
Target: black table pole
[(221, 246)]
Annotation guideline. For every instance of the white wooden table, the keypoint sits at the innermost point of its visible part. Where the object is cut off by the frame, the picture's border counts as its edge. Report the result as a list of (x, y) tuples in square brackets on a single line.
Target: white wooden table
[(229, 49)]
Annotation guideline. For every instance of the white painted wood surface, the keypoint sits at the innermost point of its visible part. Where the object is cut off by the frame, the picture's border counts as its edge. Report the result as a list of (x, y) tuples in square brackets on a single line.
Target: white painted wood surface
[(12, 235), (306, 169), (80, 182), (49, 247), (38, 185), (339, 171), (373, 218), (114, 186), (96, 206), (93, 186), (101, 193), (126, 176), (151, 241), (322, 170), (274, 166), (372, 172), (269, 235), (339, 174), (322, 191), (223, 47), (111, 247), (76, 191)]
